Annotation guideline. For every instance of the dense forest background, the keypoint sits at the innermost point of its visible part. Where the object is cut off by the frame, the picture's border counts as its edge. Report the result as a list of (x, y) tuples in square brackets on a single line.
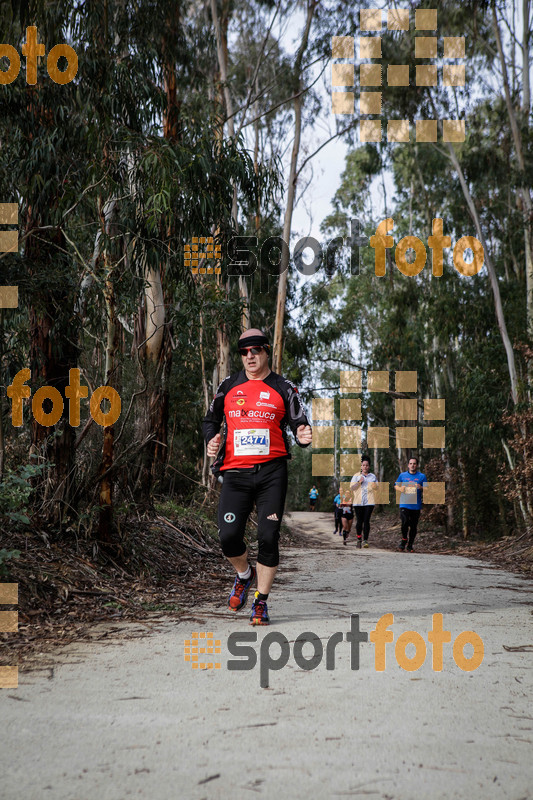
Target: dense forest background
[(193, 119)]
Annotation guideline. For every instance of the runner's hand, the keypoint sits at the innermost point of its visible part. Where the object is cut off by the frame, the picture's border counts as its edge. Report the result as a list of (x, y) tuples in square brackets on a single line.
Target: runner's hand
[(304, 434), (213, 445)]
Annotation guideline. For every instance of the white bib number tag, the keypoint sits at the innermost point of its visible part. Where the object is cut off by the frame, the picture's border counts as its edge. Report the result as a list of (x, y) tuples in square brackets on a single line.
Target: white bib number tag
[(251, 442)]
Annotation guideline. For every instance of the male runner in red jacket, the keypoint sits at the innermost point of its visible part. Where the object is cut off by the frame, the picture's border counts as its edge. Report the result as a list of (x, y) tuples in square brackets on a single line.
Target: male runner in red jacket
[(256, 405)]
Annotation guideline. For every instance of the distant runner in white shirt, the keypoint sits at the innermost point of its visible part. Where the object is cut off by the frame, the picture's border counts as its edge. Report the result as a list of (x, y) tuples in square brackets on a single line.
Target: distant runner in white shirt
[(363, 500)]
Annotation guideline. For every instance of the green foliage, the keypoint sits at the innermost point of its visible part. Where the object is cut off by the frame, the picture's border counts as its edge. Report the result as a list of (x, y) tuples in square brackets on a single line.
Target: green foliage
[(104, 142), (5, 557), (443, 328), (15, 492)]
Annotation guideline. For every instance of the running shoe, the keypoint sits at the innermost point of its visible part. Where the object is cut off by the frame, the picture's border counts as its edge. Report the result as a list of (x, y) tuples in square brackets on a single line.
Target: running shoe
[(239, 593), (359, 543), (402, 544), (410, 548), (259, 615), (365, 544)]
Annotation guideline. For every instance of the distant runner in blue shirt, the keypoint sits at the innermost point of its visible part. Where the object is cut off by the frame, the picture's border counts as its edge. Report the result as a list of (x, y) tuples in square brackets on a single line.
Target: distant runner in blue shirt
[(410, 484), (313, 496), (338, 515)]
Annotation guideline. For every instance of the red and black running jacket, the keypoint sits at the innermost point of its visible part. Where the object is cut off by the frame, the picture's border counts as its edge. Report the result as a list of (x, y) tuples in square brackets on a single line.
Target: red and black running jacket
[(255, 415)]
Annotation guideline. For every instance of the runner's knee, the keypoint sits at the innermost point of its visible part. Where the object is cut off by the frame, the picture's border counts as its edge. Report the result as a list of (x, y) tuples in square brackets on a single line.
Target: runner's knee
[(231, 535), (268, 549)]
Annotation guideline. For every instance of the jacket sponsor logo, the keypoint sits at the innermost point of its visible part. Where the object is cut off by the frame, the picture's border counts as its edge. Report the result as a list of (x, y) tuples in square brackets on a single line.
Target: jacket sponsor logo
[(251, 413), (240, 397), (267, 405), (264, 395)]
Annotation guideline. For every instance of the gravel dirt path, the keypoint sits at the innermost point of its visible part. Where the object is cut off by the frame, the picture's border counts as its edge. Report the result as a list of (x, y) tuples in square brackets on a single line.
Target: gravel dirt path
[(124, 715)]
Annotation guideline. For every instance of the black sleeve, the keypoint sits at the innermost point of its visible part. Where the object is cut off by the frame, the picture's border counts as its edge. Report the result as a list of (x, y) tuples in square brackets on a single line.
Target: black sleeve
[(214, 417), (295, 411)]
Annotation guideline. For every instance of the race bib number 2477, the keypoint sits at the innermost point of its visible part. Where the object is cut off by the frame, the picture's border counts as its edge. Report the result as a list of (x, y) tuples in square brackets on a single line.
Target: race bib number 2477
[(252, 442)]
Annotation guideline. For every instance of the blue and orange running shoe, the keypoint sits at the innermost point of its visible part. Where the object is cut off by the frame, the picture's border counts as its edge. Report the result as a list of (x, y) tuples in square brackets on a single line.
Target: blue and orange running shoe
[(402, 544), (259, 615), (239, 593)]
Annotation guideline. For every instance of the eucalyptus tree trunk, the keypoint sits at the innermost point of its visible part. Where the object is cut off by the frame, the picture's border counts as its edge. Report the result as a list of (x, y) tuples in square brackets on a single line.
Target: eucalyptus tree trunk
[(152, 334), (510, 460), (221, 31), (277, 356), (517, 127), (53, 334), (154, 359), (519, 124), (2, 439), (439, 392), (205, 390), (105, 522), (222, 351), (493, 278), (465, 483), (500, 317), (222, 52), (526, 35)]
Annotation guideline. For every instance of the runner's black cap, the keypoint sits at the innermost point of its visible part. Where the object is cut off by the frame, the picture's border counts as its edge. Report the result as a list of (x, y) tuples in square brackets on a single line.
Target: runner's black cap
[(253, 338)]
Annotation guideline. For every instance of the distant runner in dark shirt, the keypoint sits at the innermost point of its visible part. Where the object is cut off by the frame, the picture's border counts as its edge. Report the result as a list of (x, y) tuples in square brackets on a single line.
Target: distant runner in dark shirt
[(346, 513), (338, 515)]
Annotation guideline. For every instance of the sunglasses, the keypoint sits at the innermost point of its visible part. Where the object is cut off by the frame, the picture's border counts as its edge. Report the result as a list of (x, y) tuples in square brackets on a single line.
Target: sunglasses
[(243, 351)]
